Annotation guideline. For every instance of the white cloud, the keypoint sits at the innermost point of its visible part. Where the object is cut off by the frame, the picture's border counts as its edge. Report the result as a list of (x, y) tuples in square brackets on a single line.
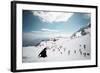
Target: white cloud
[(51, 17), (49, 30)]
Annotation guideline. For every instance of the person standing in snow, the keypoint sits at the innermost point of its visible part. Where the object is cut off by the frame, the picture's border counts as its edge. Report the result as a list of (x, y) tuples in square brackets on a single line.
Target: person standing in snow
[(43, 53), (68, 52)]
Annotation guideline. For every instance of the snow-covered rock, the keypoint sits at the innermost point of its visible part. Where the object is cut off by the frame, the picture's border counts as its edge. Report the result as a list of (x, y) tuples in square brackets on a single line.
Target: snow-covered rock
[(82, 31)]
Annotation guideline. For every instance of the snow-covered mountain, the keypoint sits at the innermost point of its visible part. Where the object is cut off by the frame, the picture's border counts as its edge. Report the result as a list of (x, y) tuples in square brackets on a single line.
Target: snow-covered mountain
[(82, 31), (77, 47)]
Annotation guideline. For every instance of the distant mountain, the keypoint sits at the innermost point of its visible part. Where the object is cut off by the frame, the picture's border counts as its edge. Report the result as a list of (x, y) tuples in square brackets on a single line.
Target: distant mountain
[(82, 31)]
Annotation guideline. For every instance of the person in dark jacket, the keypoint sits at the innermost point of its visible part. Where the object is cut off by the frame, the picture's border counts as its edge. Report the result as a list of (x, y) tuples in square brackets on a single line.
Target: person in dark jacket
[(43, 53)]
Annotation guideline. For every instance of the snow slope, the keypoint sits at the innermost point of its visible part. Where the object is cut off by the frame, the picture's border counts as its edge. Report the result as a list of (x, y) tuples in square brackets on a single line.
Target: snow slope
[(82, 31), (76, 47), (60, 50)]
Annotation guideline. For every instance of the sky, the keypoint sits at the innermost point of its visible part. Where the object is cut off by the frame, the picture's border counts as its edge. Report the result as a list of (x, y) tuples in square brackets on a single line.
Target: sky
[(51, 23)]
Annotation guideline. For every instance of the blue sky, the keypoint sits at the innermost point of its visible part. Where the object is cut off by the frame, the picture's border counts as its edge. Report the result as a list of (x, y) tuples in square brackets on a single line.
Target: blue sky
[(46, 22)]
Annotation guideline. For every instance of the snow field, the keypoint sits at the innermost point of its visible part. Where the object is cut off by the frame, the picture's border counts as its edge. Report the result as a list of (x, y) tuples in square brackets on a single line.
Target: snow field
[(60, 50)]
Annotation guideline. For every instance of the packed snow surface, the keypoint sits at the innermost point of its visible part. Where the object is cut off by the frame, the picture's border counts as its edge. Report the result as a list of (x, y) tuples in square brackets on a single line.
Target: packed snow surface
[(62, 49)]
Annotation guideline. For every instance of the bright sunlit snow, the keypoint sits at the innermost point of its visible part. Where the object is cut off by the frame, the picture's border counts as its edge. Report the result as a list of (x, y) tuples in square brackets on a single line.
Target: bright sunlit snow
[(61, 50)]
